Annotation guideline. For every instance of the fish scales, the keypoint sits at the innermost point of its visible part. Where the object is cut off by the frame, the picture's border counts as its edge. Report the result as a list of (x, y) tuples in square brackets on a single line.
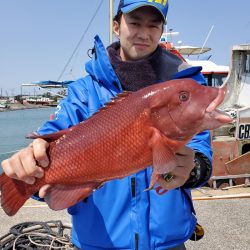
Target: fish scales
[(104, 147), (144, 128)]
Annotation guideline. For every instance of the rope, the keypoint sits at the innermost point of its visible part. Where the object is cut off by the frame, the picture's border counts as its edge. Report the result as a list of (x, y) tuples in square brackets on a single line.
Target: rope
[(38, 235), (82, 37)]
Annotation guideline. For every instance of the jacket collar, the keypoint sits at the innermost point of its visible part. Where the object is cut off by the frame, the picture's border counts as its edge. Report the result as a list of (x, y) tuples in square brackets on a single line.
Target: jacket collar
[(100, 68)]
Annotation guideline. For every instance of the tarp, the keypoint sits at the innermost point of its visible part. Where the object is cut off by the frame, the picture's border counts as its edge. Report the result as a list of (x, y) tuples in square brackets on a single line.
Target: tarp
[(49, 84)]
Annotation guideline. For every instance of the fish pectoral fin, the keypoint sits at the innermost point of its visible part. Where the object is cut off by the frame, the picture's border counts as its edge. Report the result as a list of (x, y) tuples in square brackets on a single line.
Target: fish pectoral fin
[(63, 196), (153, 181), (164, 160)]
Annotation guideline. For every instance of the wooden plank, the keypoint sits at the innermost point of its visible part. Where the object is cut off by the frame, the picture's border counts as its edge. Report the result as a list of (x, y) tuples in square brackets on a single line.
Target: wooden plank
[(221, 197), (222, 177)]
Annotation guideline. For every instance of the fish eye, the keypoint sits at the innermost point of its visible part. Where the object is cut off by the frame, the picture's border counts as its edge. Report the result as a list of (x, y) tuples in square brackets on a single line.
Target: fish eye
[(184, 96)]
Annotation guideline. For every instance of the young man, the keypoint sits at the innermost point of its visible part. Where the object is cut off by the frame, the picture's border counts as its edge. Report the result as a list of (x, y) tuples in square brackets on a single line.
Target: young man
[(120, 215)]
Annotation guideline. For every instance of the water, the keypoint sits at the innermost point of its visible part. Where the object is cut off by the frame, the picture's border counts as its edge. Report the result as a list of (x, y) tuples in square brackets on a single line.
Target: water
[(14, 125)]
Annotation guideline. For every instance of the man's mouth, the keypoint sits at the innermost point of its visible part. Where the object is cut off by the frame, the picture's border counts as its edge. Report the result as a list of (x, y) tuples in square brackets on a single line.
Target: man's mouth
[(141, 45)]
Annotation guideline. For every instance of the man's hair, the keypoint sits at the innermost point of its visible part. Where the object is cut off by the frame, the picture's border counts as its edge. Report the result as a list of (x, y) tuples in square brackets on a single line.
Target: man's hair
[(118, 17)]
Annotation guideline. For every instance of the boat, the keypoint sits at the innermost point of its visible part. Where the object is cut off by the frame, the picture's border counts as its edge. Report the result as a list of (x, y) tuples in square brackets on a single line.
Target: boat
[(230, 143), (48, 85), (214, 74), (2, 106), (39, 101)]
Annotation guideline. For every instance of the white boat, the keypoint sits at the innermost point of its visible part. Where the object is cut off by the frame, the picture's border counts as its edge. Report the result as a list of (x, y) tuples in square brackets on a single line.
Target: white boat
[(230, 143), (238, 79), (40, 101), (3, 105), (215, 74)]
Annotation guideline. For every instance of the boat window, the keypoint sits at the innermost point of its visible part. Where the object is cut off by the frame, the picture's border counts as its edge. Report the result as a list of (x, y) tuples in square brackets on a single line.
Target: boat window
[(215, 80), (247, 63)]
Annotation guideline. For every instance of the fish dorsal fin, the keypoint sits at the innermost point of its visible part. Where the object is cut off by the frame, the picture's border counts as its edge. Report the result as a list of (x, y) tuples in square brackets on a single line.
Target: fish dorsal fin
[(113, 101), (49, 137), (123, 94)]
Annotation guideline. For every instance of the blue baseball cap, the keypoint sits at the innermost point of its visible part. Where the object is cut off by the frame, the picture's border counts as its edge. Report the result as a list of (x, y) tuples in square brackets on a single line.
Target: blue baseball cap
[(126, 6)]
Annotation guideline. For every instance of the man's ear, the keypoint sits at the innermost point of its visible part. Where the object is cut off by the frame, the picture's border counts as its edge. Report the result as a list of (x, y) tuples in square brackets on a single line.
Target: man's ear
[(116, 28)]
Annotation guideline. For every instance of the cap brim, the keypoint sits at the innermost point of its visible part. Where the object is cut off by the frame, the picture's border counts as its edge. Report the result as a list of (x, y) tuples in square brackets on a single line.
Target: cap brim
[(132, 7)]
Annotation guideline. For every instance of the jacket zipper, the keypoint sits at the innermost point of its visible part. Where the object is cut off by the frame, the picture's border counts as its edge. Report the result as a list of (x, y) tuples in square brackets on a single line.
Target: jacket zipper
[(133, 193), (136, 241), (133, 190)]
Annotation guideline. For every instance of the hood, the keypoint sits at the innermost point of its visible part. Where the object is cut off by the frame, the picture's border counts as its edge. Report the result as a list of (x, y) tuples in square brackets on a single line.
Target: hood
[(100, 68)]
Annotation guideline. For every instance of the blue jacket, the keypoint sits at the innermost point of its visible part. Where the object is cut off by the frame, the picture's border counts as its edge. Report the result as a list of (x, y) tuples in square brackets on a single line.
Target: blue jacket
[(120, 215)]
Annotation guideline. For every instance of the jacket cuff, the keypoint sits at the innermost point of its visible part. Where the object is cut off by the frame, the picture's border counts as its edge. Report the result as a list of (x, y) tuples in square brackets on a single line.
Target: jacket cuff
[(201, 172), (36, 197)]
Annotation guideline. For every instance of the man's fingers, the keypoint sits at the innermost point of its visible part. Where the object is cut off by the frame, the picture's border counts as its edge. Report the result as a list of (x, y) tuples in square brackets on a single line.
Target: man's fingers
[(185, 158), (7, 169), (40, 146), (185, 164), (29, 163), (25, 164), (44, 190), (175, 182), (185, 151), (14, 169)]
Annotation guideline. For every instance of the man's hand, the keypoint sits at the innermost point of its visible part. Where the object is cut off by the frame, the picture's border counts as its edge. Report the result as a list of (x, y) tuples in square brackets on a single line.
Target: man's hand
[(185, 164), (27, 164)]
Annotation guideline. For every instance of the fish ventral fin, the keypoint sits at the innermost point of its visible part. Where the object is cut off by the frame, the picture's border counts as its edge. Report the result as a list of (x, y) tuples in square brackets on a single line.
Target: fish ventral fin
[(60, 197), (113, 101), (164, 160)]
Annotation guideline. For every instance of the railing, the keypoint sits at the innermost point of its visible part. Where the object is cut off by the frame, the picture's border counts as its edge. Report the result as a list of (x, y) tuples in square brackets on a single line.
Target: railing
[(230, 178)]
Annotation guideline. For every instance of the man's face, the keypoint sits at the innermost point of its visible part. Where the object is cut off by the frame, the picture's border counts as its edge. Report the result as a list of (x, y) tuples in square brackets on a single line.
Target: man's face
[(139, 33)]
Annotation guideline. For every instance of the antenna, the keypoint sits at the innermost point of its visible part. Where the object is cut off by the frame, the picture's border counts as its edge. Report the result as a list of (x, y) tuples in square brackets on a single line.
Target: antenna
[(208, 35), (169, 34), (111, 10)]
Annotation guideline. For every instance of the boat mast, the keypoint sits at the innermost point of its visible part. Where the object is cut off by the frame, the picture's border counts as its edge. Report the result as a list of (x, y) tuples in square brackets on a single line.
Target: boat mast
[(111, 4)]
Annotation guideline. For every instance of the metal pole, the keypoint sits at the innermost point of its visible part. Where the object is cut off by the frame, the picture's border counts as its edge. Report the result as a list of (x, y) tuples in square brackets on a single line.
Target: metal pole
[(209, 33), (111, 21)]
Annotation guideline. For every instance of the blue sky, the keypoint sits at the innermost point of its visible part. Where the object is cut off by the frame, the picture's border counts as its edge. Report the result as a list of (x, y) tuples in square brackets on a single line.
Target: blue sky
[(38, 37)]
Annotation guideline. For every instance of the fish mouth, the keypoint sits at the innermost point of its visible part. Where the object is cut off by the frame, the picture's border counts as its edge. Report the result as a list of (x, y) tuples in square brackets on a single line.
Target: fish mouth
[(220, 116), (218, 100), (215, 113)]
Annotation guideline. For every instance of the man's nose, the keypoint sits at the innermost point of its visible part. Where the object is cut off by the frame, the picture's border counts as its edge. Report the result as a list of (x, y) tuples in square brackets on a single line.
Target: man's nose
[(143, 33)]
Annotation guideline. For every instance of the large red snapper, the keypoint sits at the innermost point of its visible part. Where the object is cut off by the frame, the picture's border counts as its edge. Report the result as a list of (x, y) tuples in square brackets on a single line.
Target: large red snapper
[(137, 130)]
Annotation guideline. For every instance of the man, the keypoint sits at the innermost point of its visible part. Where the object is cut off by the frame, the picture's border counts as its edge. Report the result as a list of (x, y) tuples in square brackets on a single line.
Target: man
[(120, 215)]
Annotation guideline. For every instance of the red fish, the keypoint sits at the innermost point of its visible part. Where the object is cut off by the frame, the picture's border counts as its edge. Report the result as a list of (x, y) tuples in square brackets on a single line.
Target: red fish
[(134, 131)]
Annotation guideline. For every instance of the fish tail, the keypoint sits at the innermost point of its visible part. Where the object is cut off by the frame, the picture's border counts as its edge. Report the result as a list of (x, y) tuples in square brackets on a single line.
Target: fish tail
[(13, 194)]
